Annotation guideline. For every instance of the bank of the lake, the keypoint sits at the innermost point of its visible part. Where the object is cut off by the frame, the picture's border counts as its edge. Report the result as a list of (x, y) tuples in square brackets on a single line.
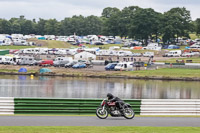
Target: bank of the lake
[(99, 72)]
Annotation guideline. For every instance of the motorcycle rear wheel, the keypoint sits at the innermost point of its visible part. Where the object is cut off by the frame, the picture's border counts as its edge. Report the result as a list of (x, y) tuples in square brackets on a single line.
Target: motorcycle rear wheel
[(101, 114), (129, 113)]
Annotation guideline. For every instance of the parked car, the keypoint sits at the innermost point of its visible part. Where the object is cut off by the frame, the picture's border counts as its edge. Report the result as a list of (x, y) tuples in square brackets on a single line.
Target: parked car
[(79, 65), (110, 66), (46, 63), (148, 54), (70, 64), (186, 54)]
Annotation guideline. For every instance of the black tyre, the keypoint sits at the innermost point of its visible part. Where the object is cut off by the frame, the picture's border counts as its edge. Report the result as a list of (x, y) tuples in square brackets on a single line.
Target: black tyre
[(129, 113), (101, 114)]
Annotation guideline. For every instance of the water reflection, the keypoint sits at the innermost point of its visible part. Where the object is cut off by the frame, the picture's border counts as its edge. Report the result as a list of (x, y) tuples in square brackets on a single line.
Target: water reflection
[(58, 87)]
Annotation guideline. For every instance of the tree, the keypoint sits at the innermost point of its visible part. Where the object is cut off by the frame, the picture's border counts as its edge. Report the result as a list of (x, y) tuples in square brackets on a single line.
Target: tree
[(16, 27), (50, 27), (5, 26), (197, 26), (111, 17), (126, 16), (93, 25), (109, 11), (40, 27), (144, 24), (176, 23)]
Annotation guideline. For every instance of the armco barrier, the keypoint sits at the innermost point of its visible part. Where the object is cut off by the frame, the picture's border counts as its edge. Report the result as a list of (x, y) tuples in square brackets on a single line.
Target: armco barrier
[(62, 106), (6, 105), (170, 107)]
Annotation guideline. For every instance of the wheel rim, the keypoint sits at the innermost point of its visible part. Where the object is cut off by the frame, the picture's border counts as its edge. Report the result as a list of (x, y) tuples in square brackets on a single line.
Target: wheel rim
[(128, 113), (102, 113)]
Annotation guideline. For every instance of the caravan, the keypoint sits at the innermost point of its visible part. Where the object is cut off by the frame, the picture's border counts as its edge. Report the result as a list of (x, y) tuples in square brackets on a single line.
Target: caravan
[(153, 46)]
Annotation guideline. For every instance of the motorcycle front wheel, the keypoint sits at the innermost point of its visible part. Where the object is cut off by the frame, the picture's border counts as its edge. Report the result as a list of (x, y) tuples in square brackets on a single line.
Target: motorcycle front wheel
[(102, 114), (129, 113)]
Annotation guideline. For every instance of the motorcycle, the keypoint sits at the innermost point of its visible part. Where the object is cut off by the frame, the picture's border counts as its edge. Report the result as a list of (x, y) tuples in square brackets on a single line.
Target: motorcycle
[(108, 107)]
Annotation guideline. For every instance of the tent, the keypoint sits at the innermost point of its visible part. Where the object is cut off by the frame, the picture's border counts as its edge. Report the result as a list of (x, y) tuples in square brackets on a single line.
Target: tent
[(44, 70), (22, 70)]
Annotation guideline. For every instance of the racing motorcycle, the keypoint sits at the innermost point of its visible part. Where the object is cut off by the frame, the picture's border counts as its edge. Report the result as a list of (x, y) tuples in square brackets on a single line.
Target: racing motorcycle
[(108, 107)]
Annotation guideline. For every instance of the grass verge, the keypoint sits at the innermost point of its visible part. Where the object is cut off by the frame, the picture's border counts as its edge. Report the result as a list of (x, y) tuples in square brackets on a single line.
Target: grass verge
[(75, 129), (173, 60), (166, 72)]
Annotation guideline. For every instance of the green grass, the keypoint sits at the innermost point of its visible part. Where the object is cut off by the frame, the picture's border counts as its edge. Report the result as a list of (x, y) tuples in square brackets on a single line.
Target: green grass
[(16, 47), (14, 70), (92, 129), (166, 72), (55, 44), (173, 60), (105, 46), (193, 36)]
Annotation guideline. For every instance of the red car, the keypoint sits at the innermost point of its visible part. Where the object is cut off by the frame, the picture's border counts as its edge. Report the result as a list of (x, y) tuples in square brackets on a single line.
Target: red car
[(46, 63)]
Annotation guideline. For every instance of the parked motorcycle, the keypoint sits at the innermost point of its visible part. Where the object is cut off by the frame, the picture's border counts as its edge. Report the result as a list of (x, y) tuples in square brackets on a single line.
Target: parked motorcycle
[(108, 107)]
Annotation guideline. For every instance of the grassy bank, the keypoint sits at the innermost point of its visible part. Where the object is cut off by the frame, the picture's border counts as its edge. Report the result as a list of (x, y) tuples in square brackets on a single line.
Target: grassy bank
[(166, 72), (173, 60), (163, 73), (16, 47), (76, 129)]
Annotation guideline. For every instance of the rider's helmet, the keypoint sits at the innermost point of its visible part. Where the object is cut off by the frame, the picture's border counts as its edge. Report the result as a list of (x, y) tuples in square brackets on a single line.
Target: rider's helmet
[(110, 96)]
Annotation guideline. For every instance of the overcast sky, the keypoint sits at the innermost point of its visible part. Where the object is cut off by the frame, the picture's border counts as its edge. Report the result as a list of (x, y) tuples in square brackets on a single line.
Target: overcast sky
[(60, 9)]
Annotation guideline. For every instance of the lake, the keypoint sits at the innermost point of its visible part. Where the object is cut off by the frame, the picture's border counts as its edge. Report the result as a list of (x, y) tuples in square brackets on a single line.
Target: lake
[(67, 87)]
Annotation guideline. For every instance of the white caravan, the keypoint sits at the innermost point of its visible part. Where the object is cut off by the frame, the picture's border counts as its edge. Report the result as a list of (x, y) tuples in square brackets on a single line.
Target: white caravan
[(153, 46)]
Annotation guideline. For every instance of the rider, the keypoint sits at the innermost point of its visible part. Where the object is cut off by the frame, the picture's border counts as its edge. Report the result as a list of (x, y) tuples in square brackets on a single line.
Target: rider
[(119, 103)]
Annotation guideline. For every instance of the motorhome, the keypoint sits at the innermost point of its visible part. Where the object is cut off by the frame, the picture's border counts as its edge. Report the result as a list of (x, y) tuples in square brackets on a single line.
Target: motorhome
[(124, 53), (124, 66), (26, 60), (20, 42), (61, 61), (173, 53), (34, 51), (60, 52), (71, 51)]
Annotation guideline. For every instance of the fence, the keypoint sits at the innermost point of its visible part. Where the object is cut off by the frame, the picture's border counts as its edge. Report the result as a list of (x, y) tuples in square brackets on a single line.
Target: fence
[(6, 105), (62, 106), (88, 106), (170, 107)]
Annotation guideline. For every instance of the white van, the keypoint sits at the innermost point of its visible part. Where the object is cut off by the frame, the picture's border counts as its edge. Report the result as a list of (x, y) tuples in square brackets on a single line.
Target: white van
[(148, 54), (124, 66), (173, 53)]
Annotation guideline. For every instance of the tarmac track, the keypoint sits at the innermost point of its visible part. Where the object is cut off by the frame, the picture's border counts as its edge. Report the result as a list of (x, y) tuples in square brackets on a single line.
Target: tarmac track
[(94, 121)]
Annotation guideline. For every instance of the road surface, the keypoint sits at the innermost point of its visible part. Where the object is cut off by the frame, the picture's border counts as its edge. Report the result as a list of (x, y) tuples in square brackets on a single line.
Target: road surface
[(94, 121)]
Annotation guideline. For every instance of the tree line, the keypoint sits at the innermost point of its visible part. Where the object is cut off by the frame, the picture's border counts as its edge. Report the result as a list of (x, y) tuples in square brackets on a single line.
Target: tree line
[(133, 22)]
